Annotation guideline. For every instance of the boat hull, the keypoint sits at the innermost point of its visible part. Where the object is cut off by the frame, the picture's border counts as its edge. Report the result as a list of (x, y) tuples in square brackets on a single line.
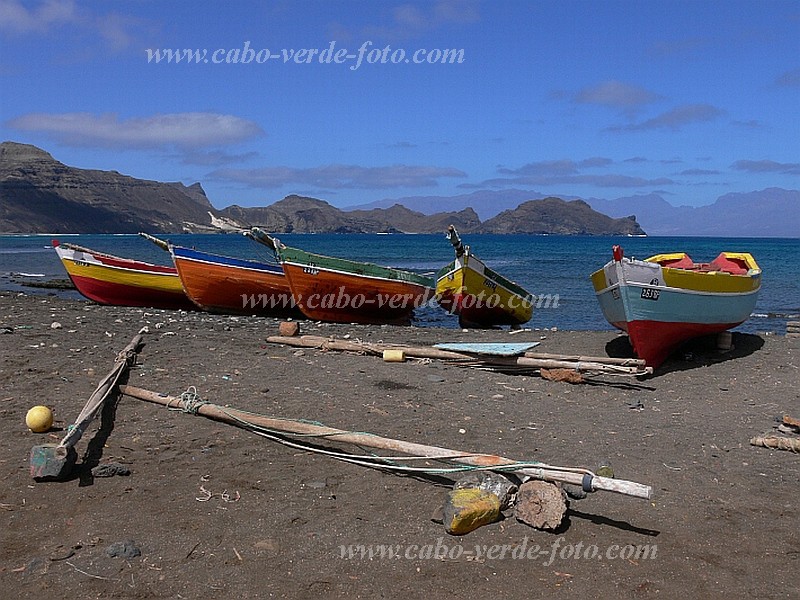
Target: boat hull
[(481, 297), (343, 291), (116, 281), (232, 285), (661, 308)]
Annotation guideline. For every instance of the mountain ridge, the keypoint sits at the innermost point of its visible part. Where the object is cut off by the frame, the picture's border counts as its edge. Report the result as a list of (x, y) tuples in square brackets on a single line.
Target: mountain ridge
[(39, 194)]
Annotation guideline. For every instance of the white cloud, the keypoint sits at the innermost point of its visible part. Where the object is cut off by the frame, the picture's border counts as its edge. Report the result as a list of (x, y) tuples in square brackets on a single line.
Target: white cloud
[(789, 78), (340, 176), (16, 17), (616, 94), (412, 19), (675, 119), (568, 172), (116, 31), (767, 166), (178, 130)]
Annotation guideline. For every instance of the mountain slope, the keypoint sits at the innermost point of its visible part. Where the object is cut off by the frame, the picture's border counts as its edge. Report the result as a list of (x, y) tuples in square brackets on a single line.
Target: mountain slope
[(486, 204), (557, 216), (38, 194), (300, 214), (772, 212)]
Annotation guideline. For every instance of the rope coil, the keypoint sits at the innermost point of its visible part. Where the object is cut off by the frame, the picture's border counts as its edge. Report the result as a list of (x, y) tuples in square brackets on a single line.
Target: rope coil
[(191, 401)]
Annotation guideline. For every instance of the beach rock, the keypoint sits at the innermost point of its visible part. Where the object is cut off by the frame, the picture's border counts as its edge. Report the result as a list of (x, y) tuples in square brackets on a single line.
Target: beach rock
[(494, 483), (565, 375), (541, 505), (123, 549), (110, 470), (289, 328), (468, 509)]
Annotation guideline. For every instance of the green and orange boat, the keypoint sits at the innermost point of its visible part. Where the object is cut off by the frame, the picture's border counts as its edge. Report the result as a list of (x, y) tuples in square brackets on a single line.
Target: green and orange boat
[(346, 291)]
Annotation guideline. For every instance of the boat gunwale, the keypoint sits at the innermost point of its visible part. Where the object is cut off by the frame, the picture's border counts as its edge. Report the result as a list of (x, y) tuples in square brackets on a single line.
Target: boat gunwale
[(675, 289), (257, 266), (488, 273), (172, 273), (414, 280)]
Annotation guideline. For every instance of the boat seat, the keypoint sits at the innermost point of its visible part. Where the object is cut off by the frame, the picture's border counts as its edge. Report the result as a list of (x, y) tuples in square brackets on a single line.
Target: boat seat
[(727, 265)]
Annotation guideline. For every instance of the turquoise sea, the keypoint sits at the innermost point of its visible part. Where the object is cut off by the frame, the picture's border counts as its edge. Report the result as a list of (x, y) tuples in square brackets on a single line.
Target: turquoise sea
[(544, 265)]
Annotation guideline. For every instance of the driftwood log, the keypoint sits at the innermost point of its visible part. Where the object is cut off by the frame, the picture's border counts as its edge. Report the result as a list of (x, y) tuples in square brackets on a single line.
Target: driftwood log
[(777, 443), (791, 421)]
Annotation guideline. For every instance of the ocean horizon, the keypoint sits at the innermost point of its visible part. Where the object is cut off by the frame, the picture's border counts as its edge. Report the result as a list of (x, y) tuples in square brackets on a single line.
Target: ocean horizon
[(552, 266)]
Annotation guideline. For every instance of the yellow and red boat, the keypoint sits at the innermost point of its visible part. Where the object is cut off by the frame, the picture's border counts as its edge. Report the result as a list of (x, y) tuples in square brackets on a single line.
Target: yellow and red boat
[(480, 296), (108, 279), (668, 299)]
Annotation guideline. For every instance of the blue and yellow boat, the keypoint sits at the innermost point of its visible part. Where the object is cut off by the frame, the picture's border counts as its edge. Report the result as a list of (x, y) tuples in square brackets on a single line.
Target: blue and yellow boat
[(667, 299)]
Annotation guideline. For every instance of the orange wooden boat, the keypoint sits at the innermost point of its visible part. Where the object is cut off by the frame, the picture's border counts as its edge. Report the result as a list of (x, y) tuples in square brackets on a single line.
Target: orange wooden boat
[(233, 285)]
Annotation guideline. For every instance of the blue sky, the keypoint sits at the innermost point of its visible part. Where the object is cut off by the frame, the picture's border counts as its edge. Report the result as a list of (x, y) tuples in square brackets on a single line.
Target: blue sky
[(692, 100)]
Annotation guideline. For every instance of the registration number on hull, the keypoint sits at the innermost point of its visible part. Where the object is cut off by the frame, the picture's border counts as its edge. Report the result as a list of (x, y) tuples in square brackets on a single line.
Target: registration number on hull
[(650, 294)]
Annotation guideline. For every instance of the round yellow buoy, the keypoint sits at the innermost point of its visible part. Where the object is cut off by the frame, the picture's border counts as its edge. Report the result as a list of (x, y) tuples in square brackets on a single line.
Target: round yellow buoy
[(39, 419), (394, 356)]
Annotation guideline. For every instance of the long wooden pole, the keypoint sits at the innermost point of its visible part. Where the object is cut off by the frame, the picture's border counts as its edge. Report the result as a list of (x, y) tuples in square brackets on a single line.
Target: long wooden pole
[(236, 417), (323, 343), (578, 363), (626, 362)]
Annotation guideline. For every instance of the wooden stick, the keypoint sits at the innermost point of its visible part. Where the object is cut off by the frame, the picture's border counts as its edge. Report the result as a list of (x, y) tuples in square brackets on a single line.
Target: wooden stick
[(323, 343), (123, 361), (627, 362), (158, 242), (310, 341), (233, 416), (790, 421), (777, 443), (577, 365)]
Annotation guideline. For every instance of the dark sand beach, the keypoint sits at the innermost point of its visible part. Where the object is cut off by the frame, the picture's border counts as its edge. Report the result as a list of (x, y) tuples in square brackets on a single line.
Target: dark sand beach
[(217, 512)]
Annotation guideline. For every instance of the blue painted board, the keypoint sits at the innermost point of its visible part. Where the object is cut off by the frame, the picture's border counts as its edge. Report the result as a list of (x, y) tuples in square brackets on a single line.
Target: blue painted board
[(491, 348)]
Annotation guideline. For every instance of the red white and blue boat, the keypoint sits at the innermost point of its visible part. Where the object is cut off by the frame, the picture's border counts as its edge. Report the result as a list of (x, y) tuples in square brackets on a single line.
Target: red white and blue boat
[(108, 279), (233, 285), (668, 299)]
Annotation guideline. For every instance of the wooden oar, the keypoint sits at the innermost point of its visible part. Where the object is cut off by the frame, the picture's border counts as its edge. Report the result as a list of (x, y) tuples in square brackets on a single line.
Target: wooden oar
[(232, 416)]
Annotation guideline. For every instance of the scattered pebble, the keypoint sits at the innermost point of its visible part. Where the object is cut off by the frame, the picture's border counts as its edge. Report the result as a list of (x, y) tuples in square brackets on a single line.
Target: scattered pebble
[(124, 549), (110, 470)]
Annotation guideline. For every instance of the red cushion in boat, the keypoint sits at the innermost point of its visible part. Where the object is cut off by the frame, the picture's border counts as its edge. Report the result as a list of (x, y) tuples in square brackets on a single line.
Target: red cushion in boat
[(683, 263), (727, 265)]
